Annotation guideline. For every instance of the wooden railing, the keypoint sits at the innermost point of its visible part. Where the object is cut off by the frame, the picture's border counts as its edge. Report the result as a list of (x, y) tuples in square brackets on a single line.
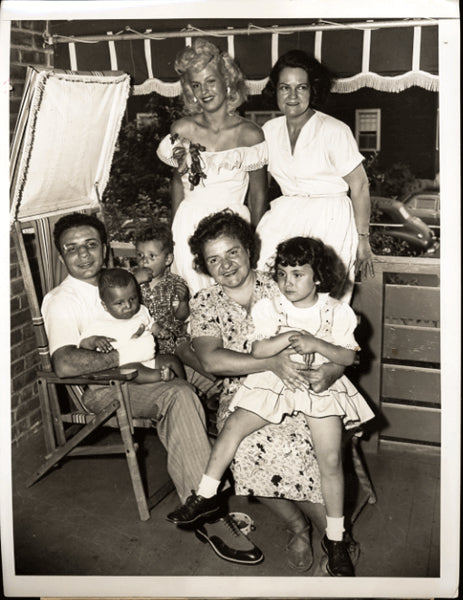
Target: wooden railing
[(399, 332)]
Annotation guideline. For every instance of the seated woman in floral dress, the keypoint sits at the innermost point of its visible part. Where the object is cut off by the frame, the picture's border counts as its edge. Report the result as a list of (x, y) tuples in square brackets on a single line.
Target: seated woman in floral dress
[(276, 463)]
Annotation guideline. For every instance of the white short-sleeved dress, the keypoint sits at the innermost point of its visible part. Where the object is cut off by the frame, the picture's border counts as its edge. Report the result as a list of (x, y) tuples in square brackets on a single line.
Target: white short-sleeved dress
[(225, 186), (265, 394), (315, 201)]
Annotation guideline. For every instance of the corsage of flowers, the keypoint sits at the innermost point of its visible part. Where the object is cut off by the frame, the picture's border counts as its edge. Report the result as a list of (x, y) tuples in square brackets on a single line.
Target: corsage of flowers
[(188, 158)]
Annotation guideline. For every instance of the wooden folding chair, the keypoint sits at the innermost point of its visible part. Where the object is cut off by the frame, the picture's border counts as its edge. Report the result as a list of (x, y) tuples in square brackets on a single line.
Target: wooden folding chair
[(60, 161)]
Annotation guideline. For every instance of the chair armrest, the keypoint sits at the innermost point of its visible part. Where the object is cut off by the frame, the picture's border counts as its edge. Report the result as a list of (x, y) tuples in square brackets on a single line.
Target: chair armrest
[(103, 377)]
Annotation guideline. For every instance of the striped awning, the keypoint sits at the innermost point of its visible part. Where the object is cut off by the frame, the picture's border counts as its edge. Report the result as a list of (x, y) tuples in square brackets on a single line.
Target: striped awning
[(385, 55)]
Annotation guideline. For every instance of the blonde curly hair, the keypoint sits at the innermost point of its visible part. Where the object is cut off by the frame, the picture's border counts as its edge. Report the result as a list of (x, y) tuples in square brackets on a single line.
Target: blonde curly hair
[(195, 58)]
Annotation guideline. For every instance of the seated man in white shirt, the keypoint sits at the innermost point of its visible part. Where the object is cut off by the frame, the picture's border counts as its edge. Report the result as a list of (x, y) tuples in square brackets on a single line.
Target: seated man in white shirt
[(67, 310)]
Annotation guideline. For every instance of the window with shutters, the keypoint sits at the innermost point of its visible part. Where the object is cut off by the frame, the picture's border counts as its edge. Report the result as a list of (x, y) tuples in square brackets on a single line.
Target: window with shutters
[(368, 129)]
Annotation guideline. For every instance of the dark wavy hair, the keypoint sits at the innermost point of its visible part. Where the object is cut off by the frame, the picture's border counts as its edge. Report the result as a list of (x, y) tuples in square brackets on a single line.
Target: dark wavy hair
[(78, 220), (225, 222), (158, 232), (328, 268), (195, 58), (110, 278), (320, 78)]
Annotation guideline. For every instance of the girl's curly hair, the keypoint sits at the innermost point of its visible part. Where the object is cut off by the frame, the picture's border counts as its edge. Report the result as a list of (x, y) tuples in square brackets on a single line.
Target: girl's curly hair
[(319, 77), (328, 268), (225, 222), (195, 58)]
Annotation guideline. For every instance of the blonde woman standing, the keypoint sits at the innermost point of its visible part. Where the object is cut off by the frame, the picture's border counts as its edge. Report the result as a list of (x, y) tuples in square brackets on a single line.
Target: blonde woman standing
[(219, 157)]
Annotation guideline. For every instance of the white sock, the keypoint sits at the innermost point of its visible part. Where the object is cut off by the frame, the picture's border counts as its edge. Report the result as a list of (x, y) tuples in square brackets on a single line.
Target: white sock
[(208, 486), (334, 528)]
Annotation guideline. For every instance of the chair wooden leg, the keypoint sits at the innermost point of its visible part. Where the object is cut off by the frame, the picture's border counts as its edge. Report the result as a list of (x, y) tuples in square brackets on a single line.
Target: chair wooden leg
[(56, 415), (128, 407), (61, 451), (47, 417), (131, 456)]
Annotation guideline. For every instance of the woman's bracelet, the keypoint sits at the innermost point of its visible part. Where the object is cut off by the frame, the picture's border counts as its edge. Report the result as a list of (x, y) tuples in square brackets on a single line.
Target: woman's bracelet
[(363, 234)]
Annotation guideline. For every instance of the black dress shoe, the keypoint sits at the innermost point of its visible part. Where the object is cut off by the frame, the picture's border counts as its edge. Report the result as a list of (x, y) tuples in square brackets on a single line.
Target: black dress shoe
[(194, 508), (229, 542), (339, 562)]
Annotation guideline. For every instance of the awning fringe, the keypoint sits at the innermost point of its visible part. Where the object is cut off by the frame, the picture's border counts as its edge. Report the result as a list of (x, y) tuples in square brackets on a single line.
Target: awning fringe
[(256, 86), (381, 83), (165, 88)]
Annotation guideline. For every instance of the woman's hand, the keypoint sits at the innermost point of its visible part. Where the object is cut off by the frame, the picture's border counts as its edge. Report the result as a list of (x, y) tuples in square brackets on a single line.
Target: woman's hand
[(294, 375), (357, 181), (323, 376), (364, 260), (303, 343)]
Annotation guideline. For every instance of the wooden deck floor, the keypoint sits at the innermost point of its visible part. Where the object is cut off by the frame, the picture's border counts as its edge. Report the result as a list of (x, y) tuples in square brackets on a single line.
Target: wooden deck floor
[(81, 519)]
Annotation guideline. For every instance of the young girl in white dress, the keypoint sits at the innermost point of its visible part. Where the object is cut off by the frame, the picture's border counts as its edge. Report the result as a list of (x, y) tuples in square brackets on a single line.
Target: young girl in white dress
[(219, 156), (318, 328)]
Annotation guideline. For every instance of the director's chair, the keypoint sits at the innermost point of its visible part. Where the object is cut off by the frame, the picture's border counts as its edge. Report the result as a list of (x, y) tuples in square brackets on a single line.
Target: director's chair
[(61, 156)]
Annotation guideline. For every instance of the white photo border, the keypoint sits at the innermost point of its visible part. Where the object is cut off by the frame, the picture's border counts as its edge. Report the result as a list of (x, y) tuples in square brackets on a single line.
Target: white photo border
[(446, 585)]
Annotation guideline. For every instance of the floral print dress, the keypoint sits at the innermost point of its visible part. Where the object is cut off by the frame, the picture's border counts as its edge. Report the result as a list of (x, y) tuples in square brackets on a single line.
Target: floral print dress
[(277, 460)]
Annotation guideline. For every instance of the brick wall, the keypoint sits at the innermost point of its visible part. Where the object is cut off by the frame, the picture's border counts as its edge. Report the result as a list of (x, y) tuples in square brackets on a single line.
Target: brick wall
[(25, 410), (26, 48)]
